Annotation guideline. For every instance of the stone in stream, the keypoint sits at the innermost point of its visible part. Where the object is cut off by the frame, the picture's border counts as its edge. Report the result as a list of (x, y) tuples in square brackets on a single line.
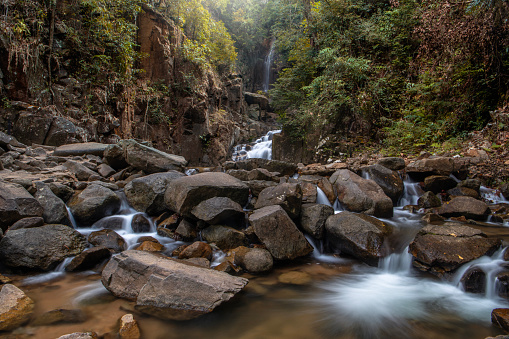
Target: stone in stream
[(392, 163), (422, 168), (114, 156), (442, 249), (253, 260), (61, 132), (500, 318), (197, 249), (313, 218), (40, 247), (388, 180), (358, 235), (80, 335), (183, 194), (439, 183), (146, 194), (186, 230), (55, 211), (224, 237), (60, 316), (361, 195), (93, 203), (219, 210), (109, 239), (309, 192), (15, 307), (88, 259), (62, 191), (257, 186), (465, 206), (149, 159), (288, 196), (16, 203), (278, 233), (168, 288), (129, 327), (140, 224), (429, 200)]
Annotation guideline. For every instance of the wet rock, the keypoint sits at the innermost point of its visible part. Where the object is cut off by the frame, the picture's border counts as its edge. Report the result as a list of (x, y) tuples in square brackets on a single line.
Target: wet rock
[(129, 327), (55, 211), (474, 281), (439, 183), (465, 206), (474, 184), (432, 217), (429, 200), (27, 223), (81, 172), (388, 180), (146, 194), (392, 163), (111, 223), (61, 132), (257, 99), (183, 194), (288, 196), (361, 195), (150, 246), (422, 168), (88, 259), (500, 318), (256, 186), (109, 239), (40, 247), (186, 230), (15, 307), (463, 191), (80, 335), (16, 203), (149, 159), (60, 316), (444, 248), (80, 149), (167, 288), (360, 236), (253, 260), (197, 249), (219, 210), (313, 217), (140, 224), (93, 203), (224, 237), (278, 233)]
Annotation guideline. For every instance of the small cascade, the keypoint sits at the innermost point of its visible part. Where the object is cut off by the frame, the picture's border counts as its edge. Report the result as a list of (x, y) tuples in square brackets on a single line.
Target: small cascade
[(493, 196), (338, 208), (262, 148), (321, 198), (267, 65), (45, 277), (71, 218), (318, 249), (411, 193), (397, 262)]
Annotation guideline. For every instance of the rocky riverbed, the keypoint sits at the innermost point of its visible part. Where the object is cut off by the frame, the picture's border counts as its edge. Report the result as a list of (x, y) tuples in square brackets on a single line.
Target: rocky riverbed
[(171, 247)]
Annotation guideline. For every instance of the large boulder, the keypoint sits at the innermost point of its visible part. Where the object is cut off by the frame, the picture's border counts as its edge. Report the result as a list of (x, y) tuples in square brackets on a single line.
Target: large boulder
[(390, 181), (392, 163), (183, 194), (422, 168), (32, 128), (114, 156), (15, 307), (55, 211), (360, 236), (109, 239), (429, 200), (288, 196), (361, 195), (439, 183), (313, 218), (61, 132), (149, 159), (465, 206), (167, 288), (257, 99), (279, 234), (41, 247), (146, 194), (444, 248), (16, 203), (93, 203), (220, 210), (224, 237)]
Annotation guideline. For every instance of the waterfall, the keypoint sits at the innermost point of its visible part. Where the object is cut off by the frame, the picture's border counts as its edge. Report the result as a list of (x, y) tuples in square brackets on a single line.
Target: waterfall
[(321, 198), (268, 66), (411, 193), (262, 148)]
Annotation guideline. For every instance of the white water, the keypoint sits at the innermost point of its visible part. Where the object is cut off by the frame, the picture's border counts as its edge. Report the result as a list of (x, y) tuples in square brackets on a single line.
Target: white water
[(268, 66), (262, 148), (493, 196), (321, 198), (45, 277), (411, 193)]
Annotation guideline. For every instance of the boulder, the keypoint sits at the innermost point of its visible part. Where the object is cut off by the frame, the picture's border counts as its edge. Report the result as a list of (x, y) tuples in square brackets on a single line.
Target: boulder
[(260, 174), (288, 196), (429, 200), (62, 191), (109, 239), (186, 230), (27, 223), (129, 328), (197, 249), (55, 211), (309, 192), (105, 170), (80, 149), (114, 222), (313, 218), (439, 183), (463, 191), (239, 174), (149, 159), (146, 194), (257, 99), (81, 172), (40, 247), (388, 180), (444, 248), (150, 246), (422, 168), (183, 194), (253, 260), (16, 203), (282, 167), (224, 237), (88, 259), (31, 128), (115, 157), (500, 318), (140, 224), (360, 236), (257, 186), (15, 307), (361, 195), (278, 233), (465, 206), (61, 132), (93, 203), (167, 288), (220, 210), (392, 163)]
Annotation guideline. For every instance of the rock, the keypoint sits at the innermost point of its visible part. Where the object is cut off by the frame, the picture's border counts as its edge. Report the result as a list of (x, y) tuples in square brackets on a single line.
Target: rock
[(439, 183), (80, 149), (282, 167), (61, 132), (288, 196), (474, 281), (115, 157), (388, 180), (474, 184), (150, 246), (88, 259), (149, 159), (279, 234), (500, 318), (183, 194), (105, 170), (40, 247), (81, 172), (140, 224), (309, 192), (220, 210), (429, 200), (80, 335), (55, 211), (361, 195), (112, 223), (15, 204), (463, 192), (93, 203), (422, 168), (224, 237), (109, 239), (197, 249), (444, 248), (129, 328), (239, 174), (392, 163), (15, 307), (60, 316), (146, 194), (465, 206), (186, 230), (432, 217), (27, 223), (295, 278), (31, 128), (253, 260), (257, 186), (62, 191), (260, 174), (167, 288), (313, 217), (360, 236), (257, 99)]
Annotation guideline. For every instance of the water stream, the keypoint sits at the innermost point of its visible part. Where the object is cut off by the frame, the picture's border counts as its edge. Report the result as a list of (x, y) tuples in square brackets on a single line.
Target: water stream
[(261, 148), (267, 66)]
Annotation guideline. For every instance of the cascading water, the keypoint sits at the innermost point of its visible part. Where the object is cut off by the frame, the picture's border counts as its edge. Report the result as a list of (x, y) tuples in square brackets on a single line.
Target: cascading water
[(411, 193), (262, 148), (267, 65), (321, 198)]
